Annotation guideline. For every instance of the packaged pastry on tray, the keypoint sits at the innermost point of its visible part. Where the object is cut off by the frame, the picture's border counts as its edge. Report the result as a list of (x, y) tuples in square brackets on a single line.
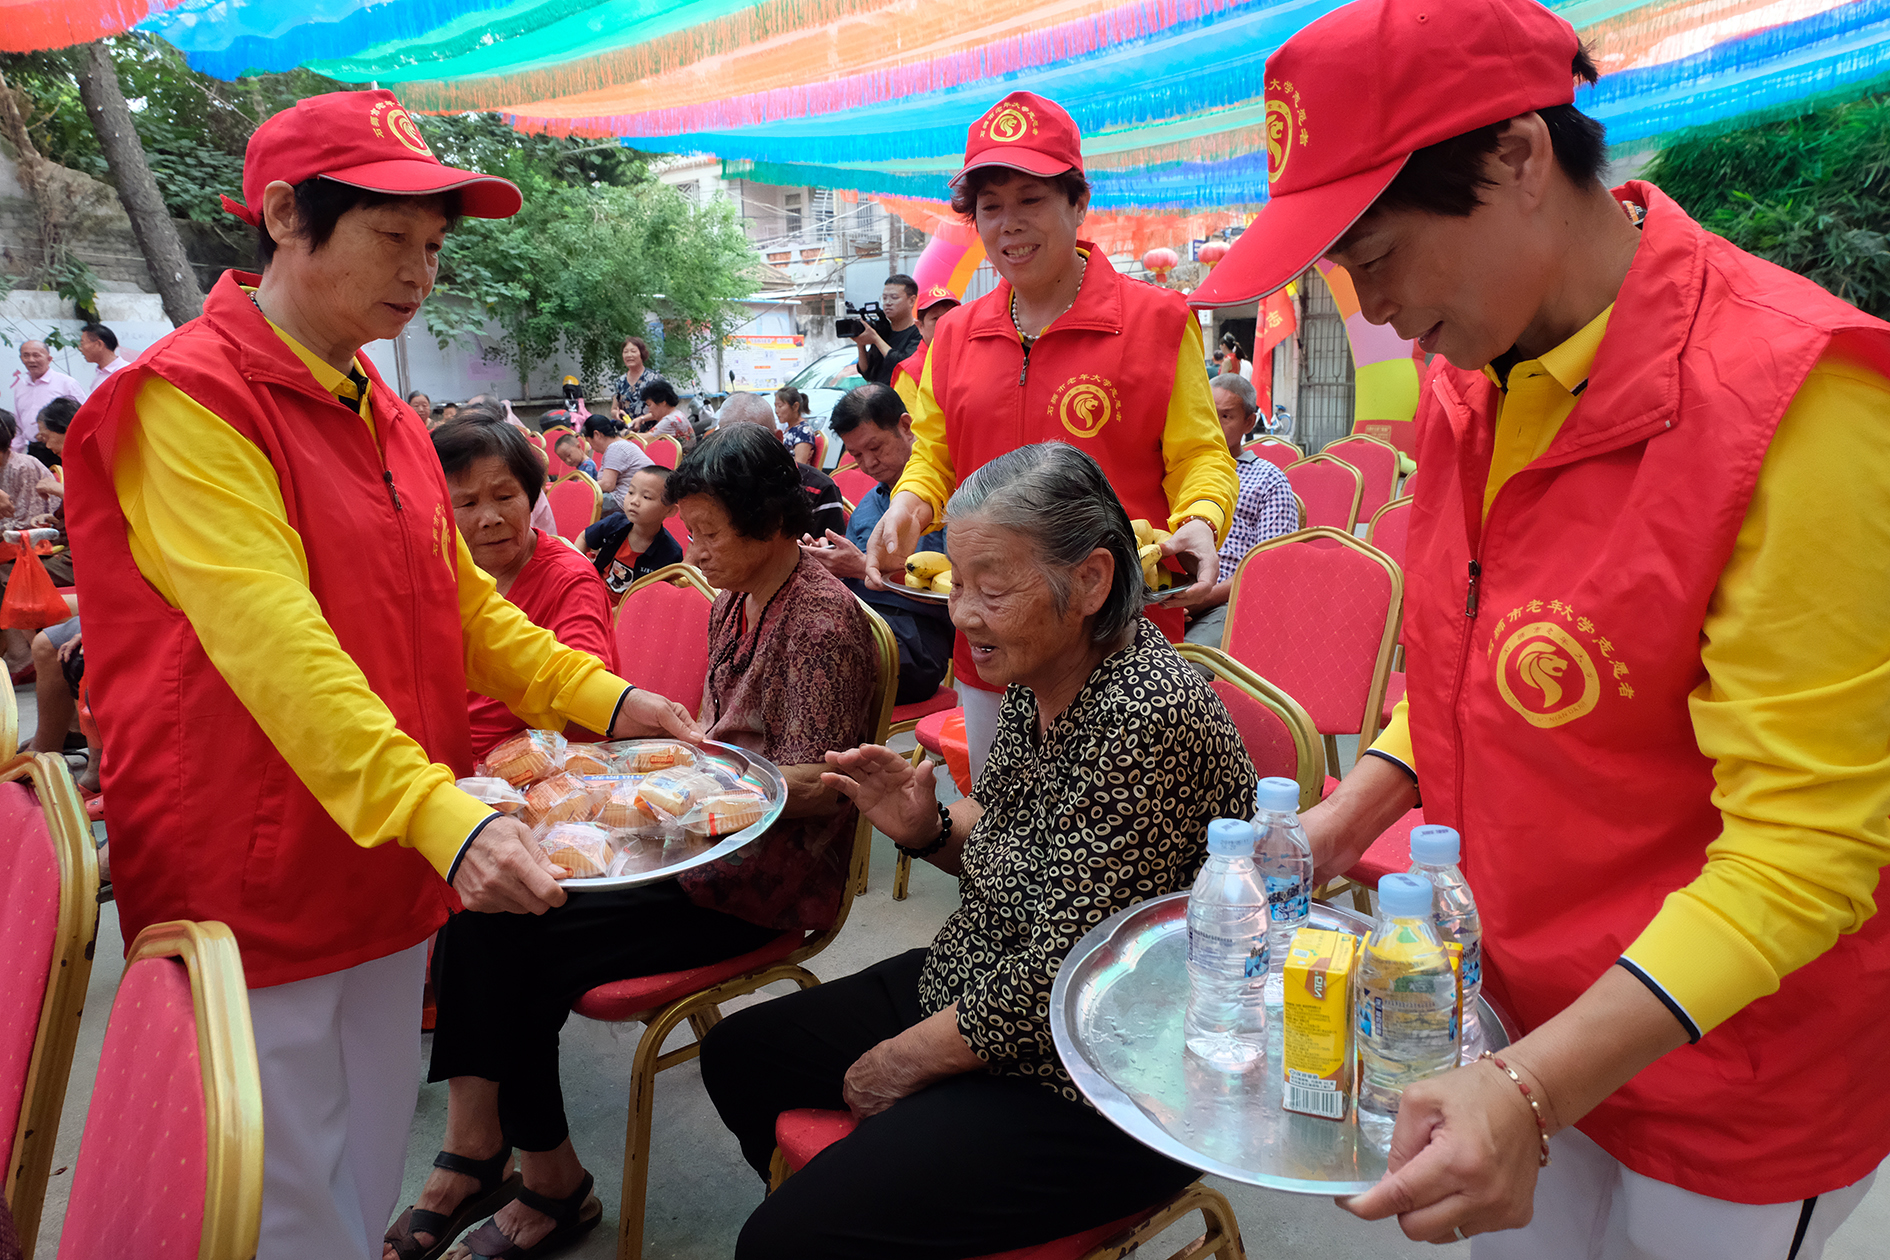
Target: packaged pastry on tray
[(725, 813), (674, 792), (589, 759), (495, 792), (640, 756), (620, 810), (525, 758), (560, 798), (583, 849)]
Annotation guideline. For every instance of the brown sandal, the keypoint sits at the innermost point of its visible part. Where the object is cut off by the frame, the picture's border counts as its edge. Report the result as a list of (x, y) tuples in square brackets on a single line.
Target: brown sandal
[(494, 1192), (570, 1220)]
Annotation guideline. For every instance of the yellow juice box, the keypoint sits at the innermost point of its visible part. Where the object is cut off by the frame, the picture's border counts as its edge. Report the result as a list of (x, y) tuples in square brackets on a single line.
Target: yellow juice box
[(1316, 1029)]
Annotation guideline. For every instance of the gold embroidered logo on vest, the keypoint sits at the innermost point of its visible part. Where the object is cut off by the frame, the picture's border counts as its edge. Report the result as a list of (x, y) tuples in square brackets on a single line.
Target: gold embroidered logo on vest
[(1085, 403), (1285, 125), (1544, 672), (443, 536)]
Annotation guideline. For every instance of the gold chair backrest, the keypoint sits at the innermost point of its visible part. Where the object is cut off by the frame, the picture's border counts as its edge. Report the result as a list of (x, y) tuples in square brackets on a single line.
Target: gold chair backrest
[(1311, 775), (50, 1066), (232, 1086)]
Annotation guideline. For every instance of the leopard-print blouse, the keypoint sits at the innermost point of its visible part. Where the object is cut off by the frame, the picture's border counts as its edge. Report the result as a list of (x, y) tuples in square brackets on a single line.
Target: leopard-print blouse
[(1108, 809)]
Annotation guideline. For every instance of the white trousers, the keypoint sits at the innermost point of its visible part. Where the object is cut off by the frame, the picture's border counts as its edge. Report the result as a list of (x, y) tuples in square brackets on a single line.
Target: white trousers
[(981, 720), (1590, 1207), (340, 1062)]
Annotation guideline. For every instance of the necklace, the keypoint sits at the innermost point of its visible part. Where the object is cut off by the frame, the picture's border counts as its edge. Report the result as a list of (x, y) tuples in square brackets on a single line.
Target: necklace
[(1018, 324)]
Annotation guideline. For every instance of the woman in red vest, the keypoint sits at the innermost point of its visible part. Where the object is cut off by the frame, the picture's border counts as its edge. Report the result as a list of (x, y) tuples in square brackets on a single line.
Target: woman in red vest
[(1643, 684), (1064, 349), (293, 625)]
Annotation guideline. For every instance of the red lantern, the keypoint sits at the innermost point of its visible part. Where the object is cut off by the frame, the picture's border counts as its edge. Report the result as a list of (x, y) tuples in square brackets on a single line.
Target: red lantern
[(1161, 261), (1211, 253)]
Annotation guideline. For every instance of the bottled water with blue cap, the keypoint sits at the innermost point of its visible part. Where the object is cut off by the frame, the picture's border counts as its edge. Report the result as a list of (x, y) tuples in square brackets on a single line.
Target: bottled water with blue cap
[(1435, 854), (1284, 856), (1225, 1025), (1407, 1004)]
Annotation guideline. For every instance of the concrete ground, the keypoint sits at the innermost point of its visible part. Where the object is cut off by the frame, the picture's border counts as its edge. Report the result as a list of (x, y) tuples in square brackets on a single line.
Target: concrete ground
[(700, 1189)]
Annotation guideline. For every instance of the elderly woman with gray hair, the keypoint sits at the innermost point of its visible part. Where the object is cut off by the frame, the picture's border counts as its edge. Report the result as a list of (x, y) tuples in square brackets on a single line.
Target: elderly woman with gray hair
[(1110, 760)]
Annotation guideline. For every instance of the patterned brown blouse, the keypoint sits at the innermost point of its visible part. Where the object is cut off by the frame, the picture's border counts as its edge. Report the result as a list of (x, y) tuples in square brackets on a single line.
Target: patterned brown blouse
[(1108, 809), (790, 687)]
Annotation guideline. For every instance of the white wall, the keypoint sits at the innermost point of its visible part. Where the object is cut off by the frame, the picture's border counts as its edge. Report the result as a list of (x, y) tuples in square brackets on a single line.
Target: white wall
[(32, 315)]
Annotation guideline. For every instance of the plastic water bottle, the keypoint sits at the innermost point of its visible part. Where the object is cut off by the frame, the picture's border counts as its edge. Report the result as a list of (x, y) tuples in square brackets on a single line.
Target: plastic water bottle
[(1407, 1003), (1225, 1024), (1435, 852), (1284, 856)]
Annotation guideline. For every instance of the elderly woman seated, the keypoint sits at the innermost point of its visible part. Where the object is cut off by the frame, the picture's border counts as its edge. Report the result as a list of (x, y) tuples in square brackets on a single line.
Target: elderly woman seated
[(792, 672), (495, 479), (1110, 760)]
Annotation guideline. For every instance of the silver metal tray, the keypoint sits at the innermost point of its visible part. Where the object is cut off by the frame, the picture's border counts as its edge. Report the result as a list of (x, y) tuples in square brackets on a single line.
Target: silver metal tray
[(687, 854), (927, 596), (1115, 1013)]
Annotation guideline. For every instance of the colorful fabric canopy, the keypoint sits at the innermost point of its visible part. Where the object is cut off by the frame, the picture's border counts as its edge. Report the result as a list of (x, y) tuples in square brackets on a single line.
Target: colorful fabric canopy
[(875, 95)]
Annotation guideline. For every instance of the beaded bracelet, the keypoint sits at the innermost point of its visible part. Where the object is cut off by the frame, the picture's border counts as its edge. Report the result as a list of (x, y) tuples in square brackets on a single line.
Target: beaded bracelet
[(944, 835), (1542, 1126)]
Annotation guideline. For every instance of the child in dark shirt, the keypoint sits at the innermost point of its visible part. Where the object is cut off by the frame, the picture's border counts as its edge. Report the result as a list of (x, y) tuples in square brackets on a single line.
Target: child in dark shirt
[(635, 543)]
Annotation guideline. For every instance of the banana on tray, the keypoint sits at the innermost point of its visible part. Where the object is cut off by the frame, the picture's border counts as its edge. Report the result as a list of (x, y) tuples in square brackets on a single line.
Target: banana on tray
[(929, 571), (1149, 542)]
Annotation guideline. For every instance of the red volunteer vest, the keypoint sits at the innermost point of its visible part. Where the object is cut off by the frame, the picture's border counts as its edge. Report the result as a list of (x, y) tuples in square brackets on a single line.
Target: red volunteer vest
[(208, 820), (1550, 716), (1085, 384)]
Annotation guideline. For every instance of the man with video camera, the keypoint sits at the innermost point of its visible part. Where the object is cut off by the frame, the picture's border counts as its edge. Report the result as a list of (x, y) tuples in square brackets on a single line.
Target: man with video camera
[(885, 340)]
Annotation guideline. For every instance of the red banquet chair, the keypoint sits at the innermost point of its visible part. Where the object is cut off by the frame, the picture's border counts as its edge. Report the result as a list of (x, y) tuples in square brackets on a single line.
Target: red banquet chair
[(801, 1135), (1280, 737), (576, 503), (171, 1160), (1377, 464), (854, 484), (908, 717), (1315, 613), (1391, 528), (1329, 488), (664, 450), (48, 922), (820, 449), (1276, 451), (662, 629), (555, 465), (662, 1003), (677, 530)]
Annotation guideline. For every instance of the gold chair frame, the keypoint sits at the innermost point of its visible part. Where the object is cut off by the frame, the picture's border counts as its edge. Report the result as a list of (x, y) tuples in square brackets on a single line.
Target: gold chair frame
[(678, 574), (50, 1066), (700, 1009), (10, 726), (232, 1085), (1401, 501), (671, 445), (1358, 485), (902, 863), (1265, 438), (1306, 740), (1394, 620), (1220, 1238), (1396, 456)]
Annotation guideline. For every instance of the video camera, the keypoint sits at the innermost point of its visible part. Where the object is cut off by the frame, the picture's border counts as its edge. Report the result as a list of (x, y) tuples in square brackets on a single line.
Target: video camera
[(858, 317)]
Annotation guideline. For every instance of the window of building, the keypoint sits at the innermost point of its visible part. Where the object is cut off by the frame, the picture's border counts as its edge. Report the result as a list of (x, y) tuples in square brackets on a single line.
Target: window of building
[(791, 210)]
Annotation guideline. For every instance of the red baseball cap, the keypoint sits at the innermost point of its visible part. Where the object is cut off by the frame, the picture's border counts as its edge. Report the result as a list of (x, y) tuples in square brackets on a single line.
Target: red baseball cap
[(1353, 95), (1024, 132), (365, 139), (934, 295)]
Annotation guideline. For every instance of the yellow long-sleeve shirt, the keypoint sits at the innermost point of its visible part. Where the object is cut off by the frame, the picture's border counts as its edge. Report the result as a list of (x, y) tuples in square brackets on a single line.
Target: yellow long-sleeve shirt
[(208, 530), (1198, 476), (1797, 654)]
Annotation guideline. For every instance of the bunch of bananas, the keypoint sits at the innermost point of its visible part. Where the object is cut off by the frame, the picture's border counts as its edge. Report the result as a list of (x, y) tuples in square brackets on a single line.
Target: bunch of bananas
[(929, 571), (1149, 542)]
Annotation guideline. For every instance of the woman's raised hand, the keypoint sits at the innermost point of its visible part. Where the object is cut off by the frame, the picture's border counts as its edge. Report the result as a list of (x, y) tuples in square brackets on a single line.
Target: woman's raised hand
[(644, 714), (897, 797)]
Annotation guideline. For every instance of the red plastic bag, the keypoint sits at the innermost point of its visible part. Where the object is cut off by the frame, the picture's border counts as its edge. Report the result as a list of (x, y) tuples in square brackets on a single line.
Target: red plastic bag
[(32, 601)]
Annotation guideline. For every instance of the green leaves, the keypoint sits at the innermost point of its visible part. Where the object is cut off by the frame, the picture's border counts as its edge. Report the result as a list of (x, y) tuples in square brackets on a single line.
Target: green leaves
[(1811, 194)]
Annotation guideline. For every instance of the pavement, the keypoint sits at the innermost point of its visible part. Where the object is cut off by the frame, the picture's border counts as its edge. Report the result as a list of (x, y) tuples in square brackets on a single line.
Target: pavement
[(700, 1189)]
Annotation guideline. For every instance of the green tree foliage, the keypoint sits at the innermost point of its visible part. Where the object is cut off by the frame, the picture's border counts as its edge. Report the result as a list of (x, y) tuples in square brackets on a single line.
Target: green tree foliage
[(1811, 194), (581, 266)]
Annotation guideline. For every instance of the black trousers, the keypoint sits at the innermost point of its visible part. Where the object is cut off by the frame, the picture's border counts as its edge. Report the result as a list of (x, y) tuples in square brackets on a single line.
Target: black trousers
[(504, 984), (972, 1165)]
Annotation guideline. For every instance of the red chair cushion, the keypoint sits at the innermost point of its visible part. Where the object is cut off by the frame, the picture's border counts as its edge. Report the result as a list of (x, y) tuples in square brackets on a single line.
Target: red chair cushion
[(572, 503), (1377, 465), (662, 635), (803, 1134), (943, 735), (1390, 854), (941, 700), (678, 531), (854, 484), (29, 929), (1326, 490), (1391, 532), (1268, 739), (138, 1184), (626, 999), (1276, 453)]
